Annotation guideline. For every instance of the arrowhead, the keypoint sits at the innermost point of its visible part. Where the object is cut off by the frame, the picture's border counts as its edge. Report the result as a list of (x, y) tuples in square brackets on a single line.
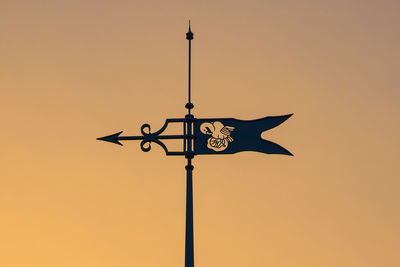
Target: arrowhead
[(111, 138)]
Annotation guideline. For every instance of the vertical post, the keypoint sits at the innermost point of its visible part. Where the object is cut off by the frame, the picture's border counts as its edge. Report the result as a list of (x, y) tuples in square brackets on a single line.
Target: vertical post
[(189, 118), (189, 37), (189, 240), (189, 235)]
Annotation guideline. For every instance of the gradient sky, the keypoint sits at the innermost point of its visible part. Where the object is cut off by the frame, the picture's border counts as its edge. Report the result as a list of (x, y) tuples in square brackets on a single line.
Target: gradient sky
[(72, 71)]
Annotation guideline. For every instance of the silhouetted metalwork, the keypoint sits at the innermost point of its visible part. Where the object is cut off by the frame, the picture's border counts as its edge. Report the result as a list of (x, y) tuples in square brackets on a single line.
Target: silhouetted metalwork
[(206, 137), (148, 137)]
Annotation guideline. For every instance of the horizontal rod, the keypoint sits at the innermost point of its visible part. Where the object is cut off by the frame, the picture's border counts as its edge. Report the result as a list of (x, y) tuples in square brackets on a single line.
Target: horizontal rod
[(175, 120), (151, 137), (176, 153), (130, 138)]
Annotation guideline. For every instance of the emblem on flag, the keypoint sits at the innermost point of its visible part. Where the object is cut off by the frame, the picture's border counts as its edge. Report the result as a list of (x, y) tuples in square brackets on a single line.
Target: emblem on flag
[(220, 135)]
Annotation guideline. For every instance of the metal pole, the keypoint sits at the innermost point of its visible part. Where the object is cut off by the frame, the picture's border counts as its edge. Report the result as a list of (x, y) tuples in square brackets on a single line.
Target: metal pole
[(189, 37), (189, 242), (189, 118), (189, 72)]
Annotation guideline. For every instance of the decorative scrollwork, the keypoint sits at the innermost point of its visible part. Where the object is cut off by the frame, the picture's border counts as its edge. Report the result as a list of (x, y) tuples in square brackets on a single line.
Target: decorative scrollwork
[(145, 145), (144, 126), (149, 137)]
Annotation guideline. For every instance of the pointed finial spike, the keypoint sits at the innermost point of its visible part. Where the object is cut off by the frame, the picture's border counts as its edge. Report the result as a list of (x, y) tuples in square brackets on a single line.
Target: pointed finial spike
[(189, 34)]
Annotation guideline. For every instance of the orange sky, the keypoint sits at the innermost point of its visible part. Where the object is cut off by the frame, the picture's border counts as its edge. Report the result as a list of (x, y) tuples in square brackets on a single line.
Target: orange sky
[(72, 71)]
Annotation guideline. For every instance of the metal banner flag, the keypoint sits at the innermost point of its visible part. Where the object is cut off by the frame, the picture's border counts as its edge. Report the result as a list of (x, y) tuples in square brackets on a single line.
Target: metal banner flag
[(229, 136)]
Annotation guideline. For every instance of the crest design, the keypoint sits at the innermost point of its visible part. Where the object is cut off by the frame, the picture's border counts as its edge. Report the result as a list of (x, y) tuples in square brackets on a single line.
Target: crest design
[(220, 135)]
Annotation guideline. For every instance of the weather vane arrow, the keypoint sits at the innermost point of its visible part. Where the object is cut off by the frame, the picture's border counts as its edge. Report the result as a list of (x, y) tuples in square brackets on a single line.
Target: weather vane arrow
[(211, 136), (113, 138), (147, 137)]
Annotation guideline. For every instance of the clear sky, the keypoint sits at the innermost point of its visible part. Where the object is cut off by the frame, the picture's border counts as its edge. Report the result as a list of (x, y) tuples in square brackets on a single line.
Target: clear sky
[(72, 71)]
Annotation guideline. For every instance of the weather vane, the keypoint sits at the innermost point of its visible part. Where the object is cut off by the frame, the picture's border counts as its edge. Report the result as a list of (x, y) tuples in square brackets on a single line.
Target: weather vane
[(205, 137)]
